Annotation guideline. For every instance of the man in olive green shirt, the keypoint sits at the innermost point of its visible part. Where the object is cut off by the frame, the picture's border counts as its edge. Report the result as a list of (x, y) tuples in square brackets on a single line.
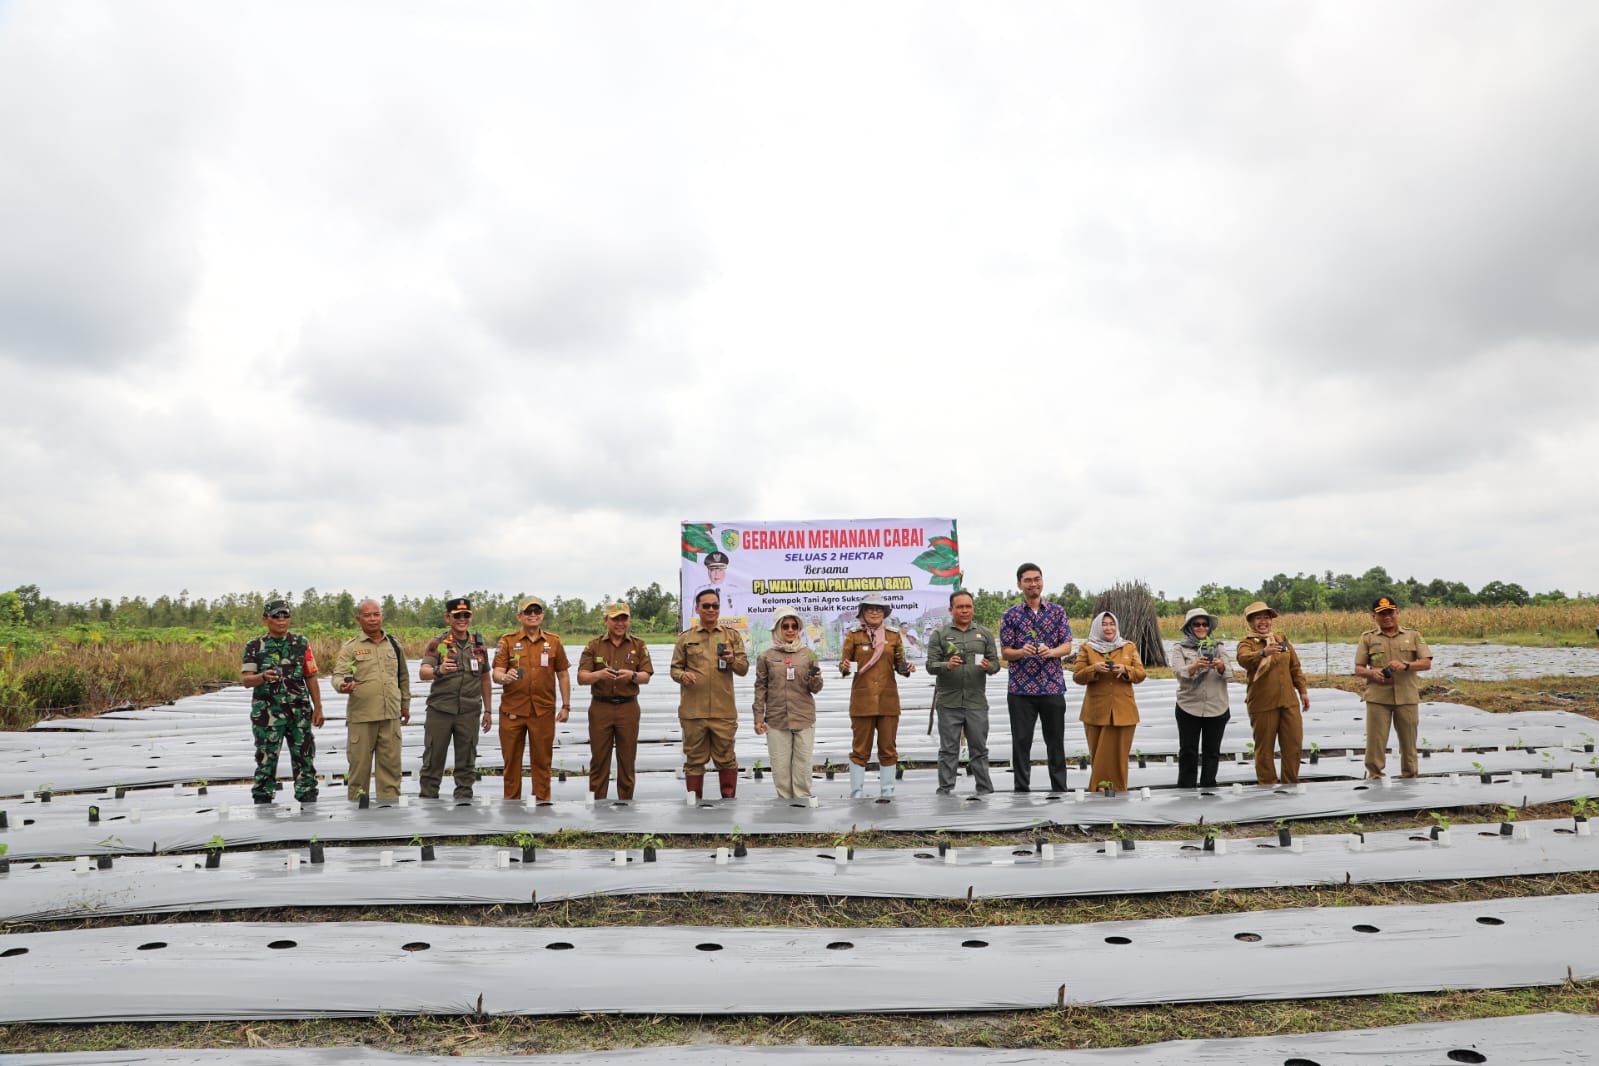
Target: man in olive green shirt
[(961, 656), (371, 671), (1389, 658), (704, 660)]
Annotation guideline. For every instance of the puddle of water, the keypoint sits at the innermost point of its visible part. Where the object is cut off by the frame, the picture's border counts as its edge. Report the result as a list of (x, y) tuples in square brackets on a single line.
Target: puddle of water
[(1478, 662)]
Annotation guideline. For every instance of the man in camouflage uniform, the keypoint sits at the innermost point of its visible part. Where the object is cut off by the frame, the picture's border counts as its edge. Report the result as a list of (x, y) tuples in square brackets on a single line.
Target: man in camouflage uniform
[(286, 706)]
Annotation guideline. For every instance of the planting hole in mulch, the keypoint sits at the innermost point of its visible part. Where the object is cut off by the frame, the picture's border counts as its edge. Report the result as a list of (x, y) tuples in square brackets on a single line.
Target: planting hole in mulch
[(154, 945), (1485, 920), (707, 947), (840, 945), (559, 945), (279, 945), (1367, 929), (416, 945), (1117, 940), (974, 943), (1248, 938)]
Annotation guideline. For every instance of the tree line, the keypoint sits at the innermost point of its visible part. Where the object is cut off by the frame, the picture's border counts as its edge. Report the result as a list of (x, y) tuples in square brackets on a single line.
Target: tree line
[(655, 610)]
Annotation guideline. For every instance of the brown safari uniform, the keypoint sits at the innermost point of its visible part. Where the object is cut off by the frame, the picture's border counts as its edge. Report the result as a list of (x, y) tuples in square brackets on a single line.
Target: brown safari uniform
[(372, 715), (614, 711), (874, 695), (1272, 697), (1110, 713), (1395, 705), (706, 710), (527, 707)]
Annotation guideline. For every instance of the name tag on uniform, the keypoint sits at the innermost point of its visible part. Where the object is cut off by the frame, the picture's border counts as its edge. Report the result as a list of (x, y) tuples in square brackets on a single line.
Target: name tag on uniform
[(544, 656), (789, 669), (362, 653)]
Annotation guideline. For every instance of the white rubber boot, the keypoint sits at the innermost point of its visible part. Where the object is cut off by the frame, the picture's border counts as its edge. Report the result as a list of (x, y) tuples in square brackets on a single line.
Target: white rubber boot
[(857, 782), (885, 779)]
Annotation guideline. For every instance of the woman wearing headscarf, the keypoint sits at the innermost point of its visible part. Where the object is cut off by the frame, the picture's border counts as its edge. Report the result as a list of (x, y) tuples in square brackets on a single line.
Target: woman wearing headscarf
[(1200, 666), (876, 650), (787, 678), (1108, 667)]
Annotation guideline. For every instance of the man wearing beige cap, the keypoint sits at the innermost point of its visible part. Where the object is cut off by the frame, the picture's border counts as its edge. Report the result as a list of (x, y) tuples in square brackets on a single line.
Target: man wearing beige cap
[(1389, 658), (529, 664), (614, 665)]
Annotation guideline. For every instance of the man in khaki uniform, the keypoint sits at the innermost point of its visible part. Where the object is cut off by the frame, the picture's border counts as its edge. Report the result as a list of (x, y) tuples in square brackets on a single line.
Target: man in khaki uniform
[(457, 664), (704, 660), (371, 671), (1389, 658), (529, 663), (615, 664), (1275, 677)]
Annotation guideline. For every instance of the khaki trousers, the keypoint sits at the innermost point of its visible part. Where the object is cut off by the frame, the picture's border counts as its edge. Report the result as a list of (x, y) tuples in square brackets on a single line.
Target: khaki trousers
[(537, 734), (439, 732), (708, 739), (886, 726), (1109, 746), (792, 754), (1404, 719), (612, 725), (1283, 727), (373, 744)]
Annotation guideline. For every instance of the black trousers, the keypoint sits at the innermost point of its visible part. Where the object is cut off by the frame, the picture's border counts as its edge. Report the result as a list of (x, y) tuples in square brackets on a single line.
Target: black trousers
[(1199, 748), (1049, 712)]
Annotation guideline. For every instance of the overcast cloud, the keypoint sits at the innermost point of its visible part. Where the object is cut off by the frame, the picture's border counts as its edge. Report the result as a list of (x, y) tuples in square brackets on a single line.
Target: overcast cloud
[(403, 297)]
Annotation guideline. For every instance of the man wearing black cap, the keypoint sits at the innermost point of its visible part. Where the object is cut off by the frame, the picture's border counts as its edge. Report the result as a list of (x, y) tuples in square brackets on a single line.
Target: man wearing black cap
[(1389, 658), (457, 663), (286, 705), (615, 664)]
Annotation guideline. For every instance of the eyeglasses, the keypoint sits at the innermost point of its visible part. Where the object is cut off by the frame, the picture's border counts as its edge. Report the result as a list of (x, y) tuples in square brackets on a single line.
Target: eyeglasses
[(461, 614), (280, 615)]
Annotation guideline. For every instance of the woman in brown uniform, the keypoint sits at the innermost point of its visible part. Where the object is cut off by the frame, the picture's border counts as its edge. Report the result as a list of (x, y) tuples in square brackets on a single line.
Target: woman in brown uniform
[(1108, 667), (879, 654)]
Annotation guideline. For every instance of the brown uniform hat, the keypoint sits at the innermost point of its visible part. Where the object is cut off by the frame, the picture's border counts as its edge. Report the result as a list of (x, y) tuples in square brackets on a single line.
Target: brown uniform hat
[(1258, 607)]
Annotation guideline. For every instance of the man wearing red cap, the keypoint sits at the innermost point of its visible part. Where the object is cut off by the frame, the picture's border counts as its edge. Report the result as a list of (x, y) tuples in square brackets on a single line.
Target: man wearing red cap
[(1389, 658)]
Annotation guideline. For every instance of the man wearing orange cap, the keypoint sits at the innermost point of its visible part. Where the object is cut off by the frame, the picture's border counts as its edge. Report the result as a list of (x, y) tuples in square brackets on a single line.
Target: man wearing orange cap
[(529, 663), (1389, 658)]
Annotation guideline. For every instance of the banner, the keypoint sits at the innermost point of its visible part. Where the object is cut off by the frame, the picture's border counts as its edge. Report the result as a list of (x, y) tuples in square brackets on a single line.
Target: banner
[(823, 570)]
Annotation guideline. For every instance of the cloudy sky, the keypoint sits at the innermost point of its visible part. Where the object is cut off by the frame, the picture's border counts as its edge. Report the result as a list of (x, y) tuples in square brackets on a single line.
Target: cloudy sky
[(400, 297)]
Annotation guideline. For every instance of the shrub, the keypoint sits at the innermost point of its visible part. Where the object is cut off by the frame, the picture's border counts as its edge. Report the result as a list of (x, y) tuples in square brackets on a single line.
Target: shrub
[(16, 706), (61, 687)]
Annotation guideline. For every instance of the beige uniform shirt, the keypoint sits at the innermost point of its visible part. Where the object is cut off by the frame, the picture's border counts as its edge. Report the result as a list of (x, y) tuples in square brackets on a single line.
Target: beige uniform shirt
[(711, 696), (379, 692), (1374, 649)]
